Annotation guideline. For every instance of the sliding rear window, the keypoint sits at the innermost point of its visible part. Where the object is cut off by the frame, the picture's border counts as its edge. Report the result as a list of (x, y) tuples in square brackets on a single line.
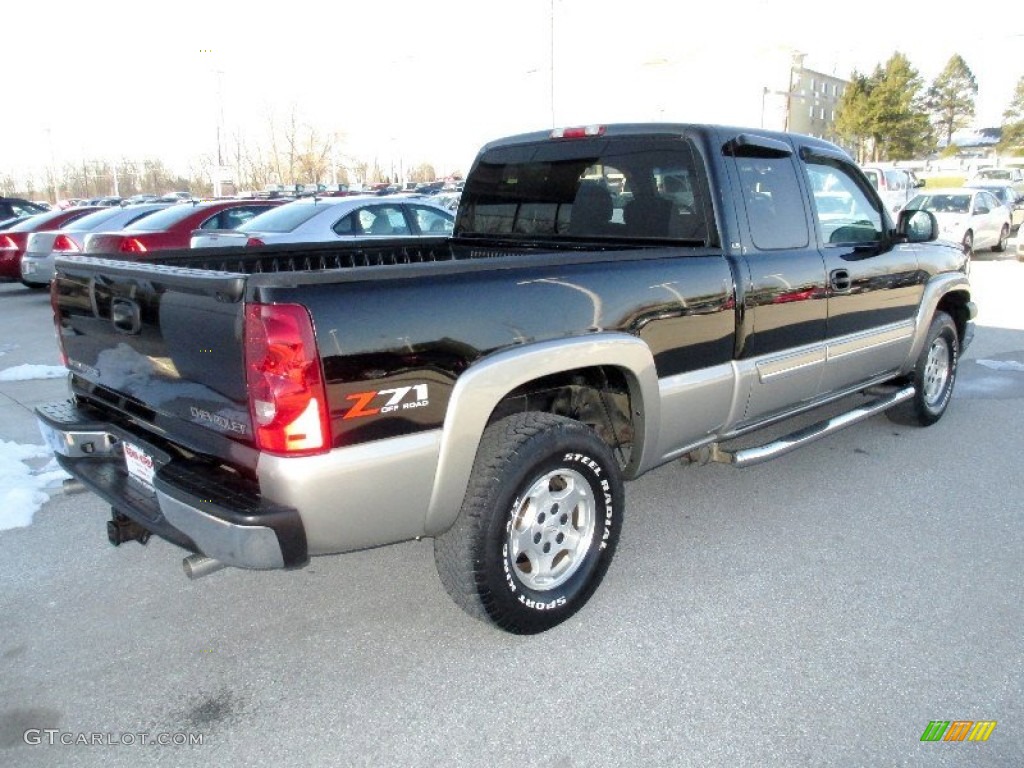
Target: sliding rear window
[(592, 189)]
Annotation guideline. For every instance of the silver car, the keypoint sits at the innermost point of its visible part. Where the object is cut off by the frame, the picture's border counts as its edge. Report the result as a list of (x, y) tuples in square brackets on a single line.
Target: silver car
[(972, 217), (37, 265), (1006, 194), (330, 219)]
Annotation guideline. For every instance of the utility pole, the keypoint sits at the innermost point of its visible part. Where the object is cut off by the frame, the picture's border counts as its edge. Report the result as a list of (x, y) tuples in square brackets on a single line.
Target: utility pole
[(552, 89), (220, 127)]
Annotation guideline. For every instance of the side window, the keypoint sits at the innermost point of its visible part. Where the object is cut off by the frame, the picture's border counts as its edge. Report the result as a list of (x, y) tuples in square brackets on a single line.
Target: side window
[(432, 221), (382, 221), (347, 224), (229, 218), (775, 209), (843, 210), (239, 216), (895, 180)]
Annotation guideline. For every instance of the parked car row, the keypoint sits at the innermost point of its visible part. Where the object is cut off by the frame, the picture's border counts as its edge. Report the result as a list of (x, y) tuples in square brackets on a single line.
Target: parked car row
[(14, 239), (37, 264), (319, 220), (1012, 176), (30, 245)]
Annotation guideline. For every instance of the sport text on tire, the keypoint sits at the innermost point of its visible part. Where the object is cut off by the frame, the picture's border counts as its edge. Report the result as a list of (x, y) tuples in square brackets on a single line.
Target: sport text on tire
[(539, 524), (933, 377)]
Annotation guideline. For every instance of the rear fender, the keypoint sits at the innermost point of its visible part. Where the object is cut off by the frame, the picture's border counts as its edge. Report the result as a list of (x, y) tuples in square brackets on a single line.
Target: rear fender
[(482, 387)]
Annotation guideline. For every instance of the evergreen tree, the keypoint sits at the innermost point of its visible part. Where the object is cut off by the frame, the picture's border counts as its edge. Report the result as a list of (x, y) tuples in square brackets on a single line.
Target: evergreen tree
[(852, 115), (950, 99), (900, 124), (1012, 140), (883, 114)]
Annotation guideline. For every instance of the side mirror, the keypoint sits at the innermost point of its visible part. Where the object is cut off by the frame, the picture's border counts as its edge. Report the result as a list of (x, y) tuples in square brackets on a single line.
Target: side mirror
[(919, 183), (981, 209), (917, 226)]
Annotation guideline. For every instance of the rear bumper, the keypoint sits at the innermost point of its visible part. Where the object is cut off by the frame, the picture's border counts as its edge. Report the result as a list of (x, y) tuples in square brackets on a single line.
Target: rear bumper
[(10, 268), (37, 268), (201, 508)]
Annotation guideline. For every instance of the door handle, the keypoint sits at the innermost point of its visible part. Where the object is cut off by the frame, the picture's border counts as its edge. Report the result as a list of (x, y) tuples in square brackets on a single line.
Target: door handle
[(839, 279)]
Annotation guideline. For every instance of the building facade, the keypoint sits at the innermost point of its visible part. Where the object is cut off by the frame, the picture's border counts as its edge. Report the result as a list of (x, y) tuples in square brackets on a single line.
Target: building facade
[(813, 101)]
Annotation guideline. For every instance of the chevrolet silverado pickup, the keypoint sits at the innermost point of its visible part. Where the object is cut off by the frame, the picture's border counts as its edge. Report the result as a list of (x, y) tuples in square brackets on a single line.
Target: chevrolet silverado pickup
[(612, 298)]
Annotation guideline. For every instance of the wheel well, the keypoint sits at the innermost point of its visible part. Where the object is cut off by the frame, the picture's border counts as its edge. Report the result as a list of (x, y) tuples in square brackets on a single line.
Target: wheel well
[(598, 397), (955, 305)]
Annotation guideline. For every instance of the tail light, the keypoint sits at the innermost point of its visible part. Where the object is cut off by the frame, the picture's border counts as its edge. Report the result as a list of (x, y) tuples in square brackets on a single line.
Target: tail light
[(7, 243), (64, 244), (132, 245), (287, 397), (253, 241)]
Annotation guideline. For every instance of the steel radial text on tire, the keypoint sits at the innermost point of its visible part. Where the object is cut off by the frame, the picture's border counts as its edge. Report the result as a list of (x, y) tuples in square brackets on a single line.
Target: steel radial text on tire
[(538, 526)]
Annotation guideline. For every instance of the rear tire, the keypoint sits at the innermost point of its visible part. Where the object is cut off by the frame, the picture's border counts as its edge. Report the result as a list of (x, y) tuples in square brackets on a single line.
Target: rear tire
[(934, 376), (539, 524)]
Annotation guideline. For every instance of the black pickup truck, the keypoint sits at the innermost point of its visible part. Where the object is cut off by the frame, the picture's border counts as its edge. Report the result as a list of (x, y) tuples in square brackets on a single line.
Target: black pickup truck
[(613, 298)]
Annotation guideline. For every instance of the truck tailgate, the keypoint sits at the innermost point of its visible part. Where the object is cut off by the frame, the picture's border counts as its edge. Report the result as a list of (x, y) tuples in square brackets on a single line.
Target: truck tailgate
[(160, 344)]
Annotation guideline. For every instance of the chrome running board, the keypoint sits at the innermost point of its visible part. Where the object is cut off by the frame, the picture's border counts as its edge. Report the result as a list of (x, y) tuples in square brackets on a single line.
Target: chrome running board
[(750, 456)]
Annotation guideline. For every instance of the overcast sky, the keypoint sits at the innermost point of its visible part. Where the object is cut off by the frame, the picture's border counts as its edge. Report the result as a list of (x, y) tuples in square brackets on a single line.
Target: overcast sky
[(408, 81)]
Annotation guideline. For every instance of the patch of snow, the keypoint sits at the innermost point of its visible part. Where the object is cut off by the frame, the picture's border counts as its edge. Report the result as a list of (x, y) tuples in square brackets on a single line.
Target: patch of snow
[(29, 372), (1002, 365), (23, 489)]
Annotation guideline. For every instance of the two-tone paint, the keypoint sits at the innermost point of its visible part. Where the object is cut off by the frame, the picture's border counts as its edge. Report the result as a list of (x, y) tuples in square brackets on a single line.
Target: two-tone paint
[(711, 341)]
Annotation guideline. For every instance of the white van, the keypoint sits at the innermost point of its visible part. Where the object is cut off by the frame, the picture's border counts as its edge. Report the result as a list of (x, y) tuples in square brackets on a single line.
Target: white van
[(895, 186)]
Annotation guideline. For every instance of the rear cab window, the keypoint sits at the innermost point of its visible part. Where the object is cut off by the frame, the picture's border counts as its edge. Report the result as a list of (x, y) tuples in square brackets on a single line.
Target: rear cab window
[(635, 188)]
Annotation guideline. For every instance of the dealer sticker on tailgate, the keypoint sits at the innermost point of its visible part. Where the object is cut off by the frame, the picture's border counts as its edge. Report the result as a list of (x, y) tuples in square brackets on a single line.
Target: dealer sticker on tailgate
[(139, 463)]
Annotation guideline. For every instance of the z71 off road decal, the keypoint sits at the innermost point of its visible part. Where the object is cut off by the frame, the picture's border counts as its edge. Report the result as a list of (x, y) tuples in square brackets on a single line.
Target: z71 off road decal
[(397, 399)]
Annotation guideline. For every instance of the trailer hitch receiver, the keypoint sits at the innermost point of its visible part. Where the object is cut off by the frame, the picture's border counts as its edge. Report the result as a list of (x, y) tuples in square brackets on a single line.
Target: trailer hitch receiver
[(121, 528)]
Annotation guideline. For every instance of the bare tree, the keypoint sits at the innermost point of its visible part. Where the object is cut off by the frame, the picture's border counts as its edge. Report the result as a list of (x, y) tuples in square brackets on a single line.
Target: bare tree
[(423, 172)]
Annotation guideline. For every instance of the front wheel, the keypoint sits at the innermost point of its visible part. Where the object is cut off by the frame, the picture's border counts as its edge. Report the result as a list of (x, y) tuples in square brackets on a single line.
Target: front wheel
[(1004, 236), (968, 243), (539, 524), (933, 376)]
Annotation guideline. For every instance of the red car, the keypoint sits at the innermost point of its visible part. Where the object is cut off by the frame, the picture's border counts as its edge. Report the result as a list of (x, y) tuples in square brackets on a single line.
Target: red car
[(14, 239), (172, 227)]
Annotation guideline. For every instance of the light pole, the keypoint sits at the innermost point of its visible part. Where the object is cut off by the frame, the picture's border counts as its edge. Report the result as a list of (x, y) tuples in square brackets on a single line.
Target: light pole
[(552, 36), (765, 90), (218, 172)]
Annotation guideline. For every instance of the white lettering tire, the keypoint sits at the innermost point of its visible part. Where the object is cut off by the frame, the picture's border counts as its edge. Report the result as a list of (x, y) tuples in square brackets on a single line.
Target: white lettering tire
[(933, 376), (539, 524)]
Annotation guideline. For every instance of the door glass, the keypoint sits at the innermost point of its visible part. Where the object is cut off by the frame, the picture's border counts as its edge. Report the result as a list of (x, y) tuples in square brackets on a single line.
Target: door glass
[(775, 210), (843, 211)]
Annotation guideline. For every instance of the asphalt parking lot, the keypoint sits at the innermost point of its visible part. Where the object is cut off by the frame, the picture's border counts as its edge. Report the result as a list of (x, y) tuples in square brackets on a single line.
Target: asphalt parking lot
[(818, 610)]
